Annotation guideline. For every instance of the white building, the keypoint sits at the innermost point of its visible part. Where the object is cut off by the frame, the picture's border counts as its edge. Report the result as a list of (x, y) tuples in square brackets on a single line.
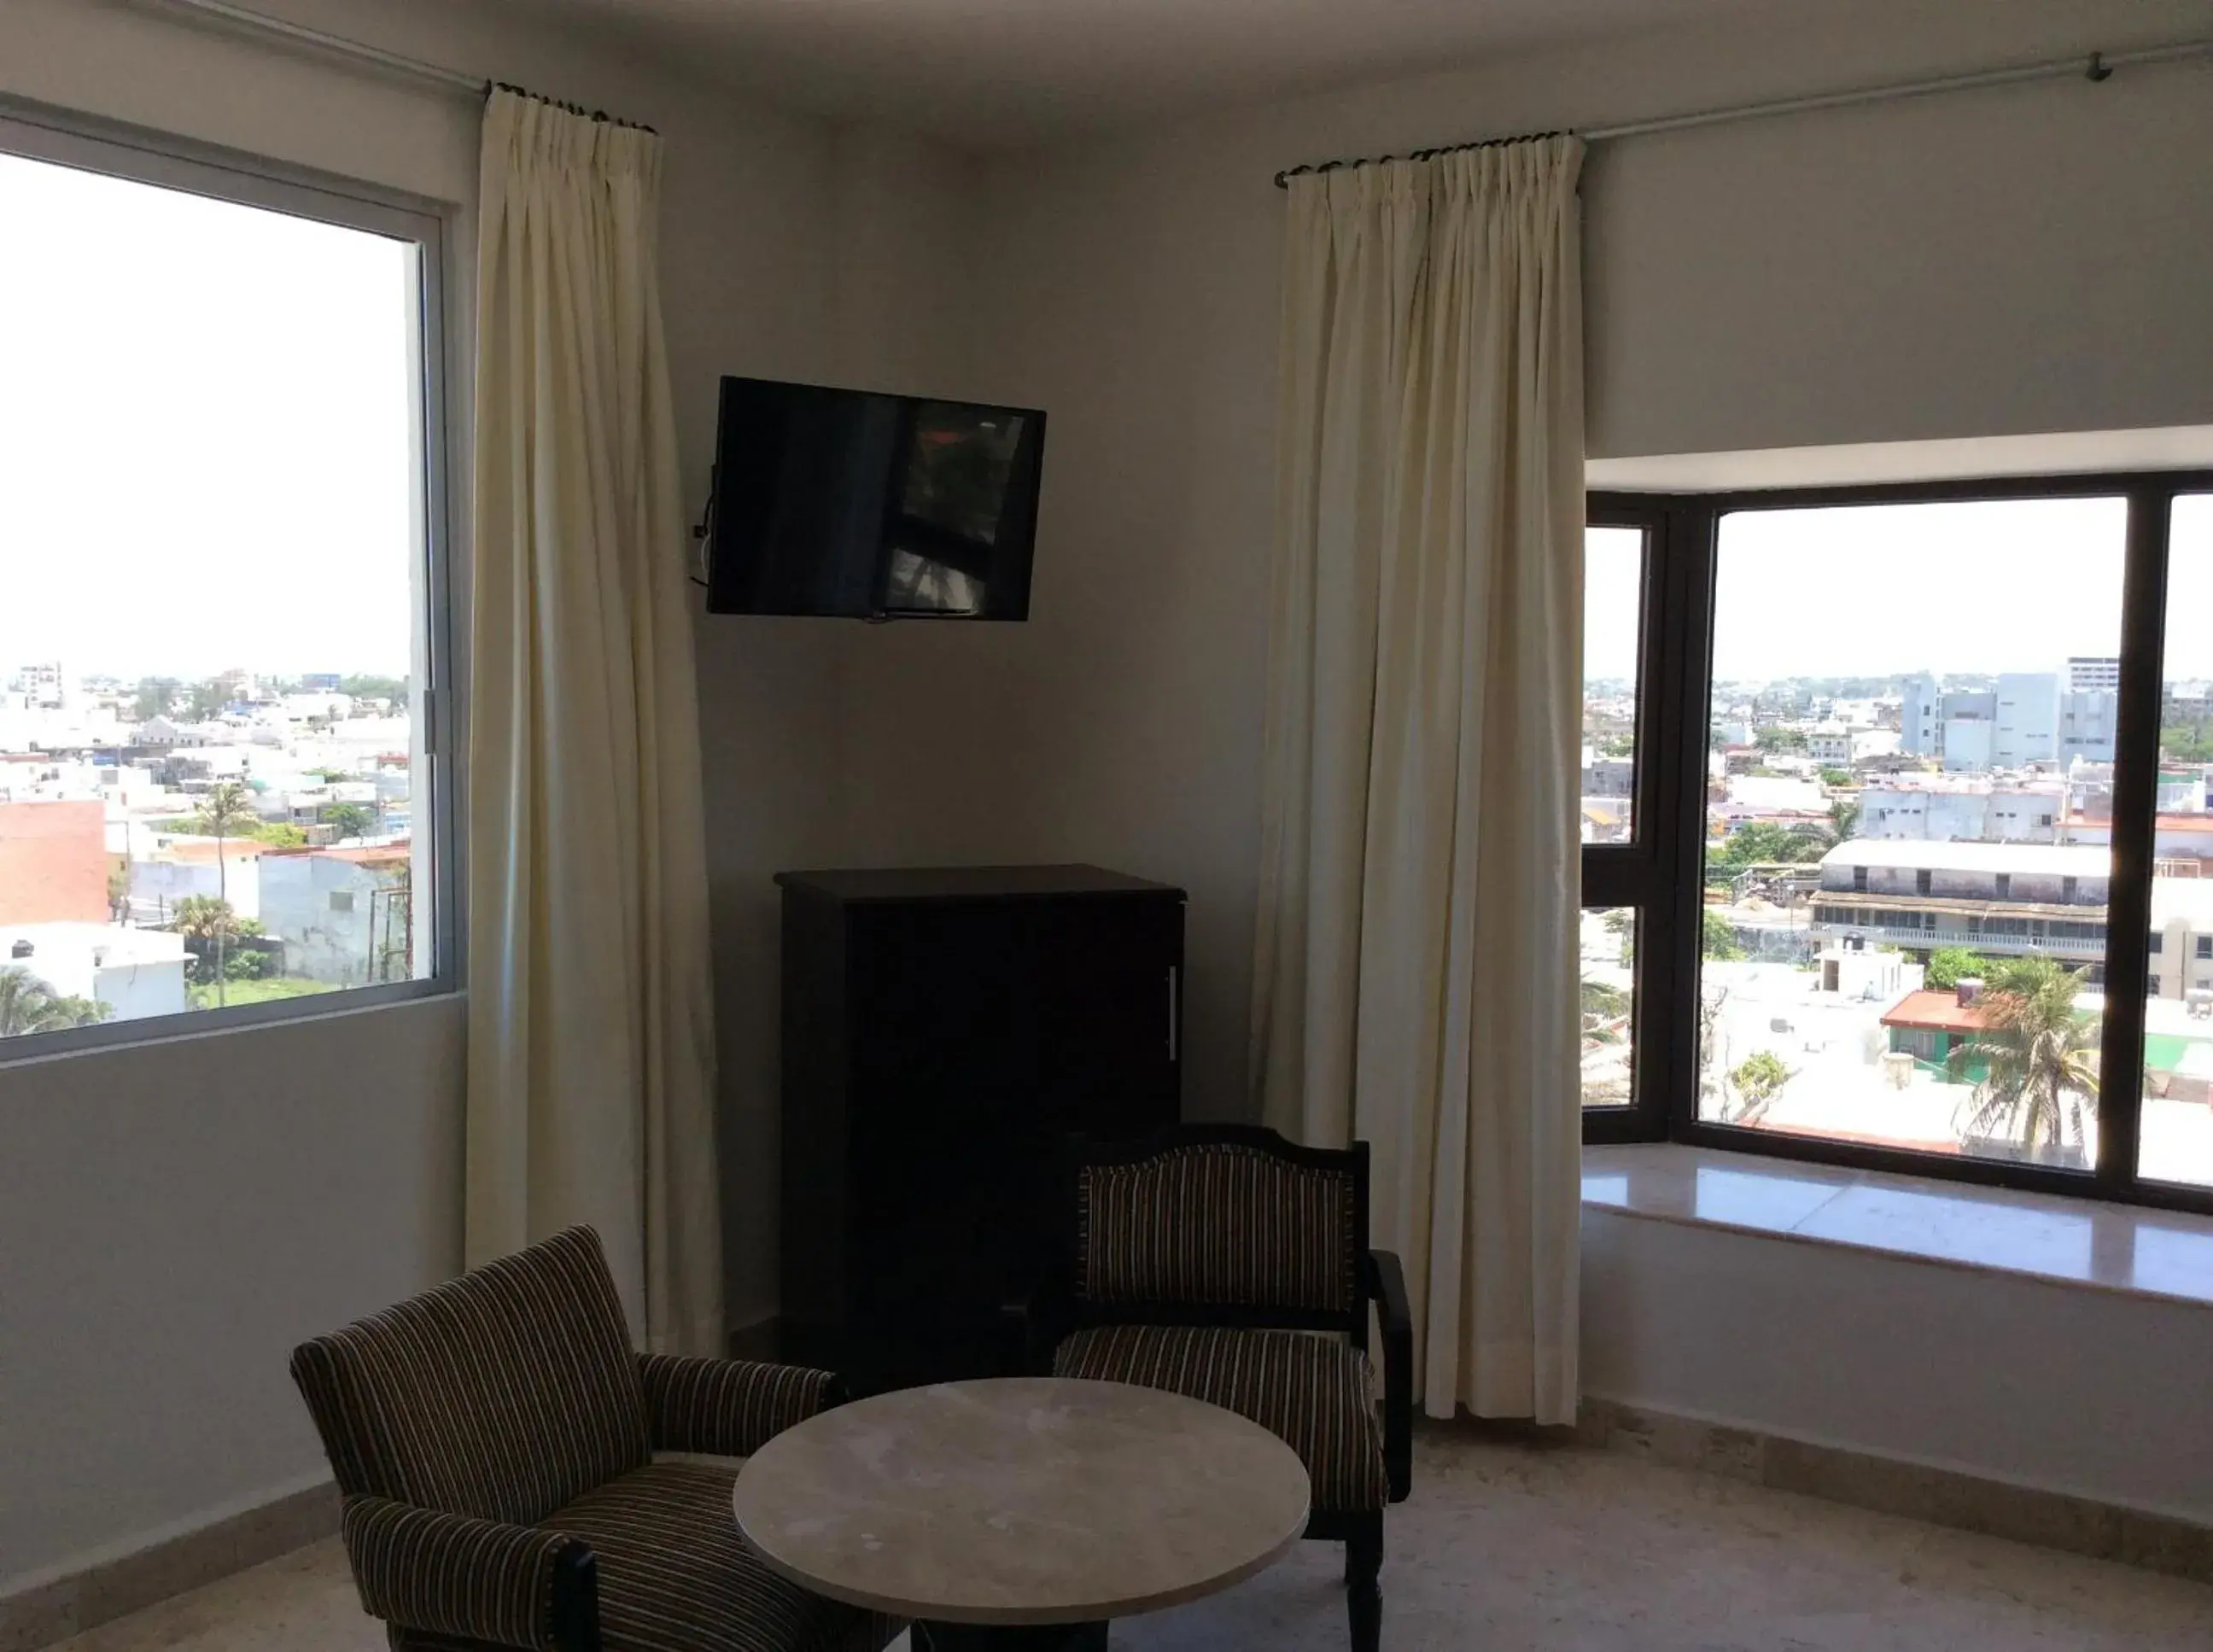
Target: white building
[(2005, 900), (2029, 719), (136, 973), (342, 914), (2088, 674)]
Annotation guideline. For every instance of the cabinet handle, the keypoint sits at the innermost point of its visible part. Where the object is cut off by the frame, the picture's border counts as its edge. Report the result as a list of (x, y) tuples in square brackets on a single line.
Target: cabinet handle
[(1175, 1013)]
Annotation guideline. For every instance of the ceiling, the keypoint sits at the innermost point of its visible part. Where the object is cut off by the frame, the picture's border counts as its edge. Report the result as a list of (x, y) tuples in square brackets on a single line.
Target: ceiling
[(995, 73)]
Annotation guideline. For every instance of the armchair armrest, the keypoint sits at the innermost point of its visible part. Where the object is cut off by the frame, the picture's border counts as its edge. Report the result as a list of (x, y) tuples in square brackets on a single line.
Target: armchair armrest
[(1384, 1283), (727, 1407), (481, 1579)]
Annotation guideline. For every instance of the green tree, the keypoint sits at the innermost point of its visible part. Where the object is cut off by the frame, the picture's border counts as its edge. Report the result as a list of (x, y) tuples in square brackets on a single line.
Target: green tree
[(2040, 1059), (1845, 818), (210, 926), (1836, 776), (203, 699), (1717, 940), (1601, 1001), (1760, 1078), (152, 697), (367, 687), (225, 813), (1763, 842), (28, 1004), (2189, 741), (1949, 965), (1780, 739), (349, 819)]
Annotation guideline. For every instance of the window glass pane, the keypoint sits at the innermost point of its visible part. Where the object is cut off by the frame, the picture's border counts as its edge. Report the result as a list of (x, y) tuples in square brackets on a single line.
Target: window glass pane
[(1613, 606), (211, 539), (2177, 1140), (1908, 826), (1609, 972)]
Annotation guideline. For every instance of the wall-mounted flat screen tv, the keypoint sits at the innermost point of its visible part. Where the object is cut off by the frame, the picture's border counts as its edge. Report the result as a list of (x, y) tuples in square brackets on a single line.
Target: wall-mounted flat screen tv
[(872, 506)]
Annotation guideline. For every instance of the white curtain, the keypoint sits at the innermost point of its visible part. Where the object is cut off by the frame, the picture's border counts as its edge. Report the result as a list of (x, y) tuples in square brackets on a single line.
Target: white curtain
[(591, 1043), (1416, 971)]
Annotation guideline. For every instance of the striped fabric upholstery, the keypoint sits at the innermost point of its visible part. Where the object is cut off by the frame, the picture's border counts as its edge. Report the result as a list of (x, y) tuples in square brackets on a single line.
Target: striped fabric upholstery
[(725, 1407), (504, 1395), (453, 1574), (674, 1575), (1219, 1224), (1317, 1394)]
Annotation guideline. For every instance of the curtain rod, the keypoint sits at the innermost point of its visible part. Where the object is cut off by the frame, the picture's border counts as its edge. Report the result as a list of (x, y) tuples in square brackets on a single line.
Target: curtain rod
[(2097, 66), (280, 29)]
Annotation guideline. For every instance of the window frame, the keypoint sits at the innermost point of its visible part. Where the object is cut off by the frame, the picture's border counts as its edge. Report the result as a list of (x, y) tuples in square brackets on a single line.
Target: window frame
[(1674, 697), (35, 131)]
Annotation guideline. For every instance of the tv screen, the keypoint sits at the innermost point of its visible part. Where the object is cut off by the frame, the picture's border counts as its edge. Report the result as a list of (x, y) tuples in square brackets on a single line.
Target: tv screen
[(875, 507)]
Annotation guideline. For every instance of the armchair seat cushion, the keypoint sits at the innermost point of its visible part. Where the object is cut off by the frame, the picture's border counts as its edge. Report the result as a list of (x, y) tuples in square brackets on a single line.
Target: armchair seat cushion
[(1317, 1394), (674, 1575)]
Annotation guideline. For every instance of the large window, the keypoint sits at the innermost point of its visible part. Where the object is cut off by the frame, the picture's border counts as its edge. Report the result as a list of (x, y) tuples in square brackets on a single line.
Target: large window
[(1913, 877), (2176, 1142), (219, 791)]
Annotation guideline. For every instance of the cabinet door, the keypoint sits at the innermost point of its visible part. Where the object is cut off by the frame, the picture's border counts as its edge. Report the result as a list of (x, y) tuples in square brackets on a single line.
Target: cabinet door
[(944, 1020), (1109, 1036), (1109, 1004)]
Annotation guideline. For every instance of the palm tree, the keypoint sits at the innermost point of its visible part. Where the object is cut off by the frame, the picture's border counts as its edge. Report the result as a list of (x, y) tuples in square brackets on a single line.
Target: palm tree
[(28, 1004), (226, 811), (2040, 1059)]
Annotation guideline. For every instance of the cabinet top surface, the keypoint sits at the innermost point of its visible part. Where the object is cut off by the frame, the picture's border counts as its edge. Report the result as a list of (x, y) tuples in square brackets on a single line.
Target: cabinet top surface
[(971, 883)]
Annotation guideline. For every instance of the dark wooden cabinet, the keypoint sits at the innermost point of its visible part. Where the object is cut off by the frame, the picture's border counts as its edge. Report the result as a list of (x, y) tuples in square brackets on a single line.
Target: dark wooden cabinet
[(944, 1030)]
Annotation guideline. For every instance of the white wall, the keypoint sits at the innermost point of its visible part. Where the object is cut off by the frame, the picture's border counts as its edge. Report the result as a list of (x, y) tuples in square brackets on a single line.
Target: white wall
[(2024, 259), (174, 1219), (2091, 1393)]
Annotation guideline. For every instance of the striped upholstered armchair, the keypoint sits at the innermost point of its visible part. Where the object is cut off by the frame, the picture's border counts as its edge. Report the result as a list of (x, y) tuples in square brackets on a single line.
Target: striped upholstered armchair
[(1201, 1261), (495, 1439)]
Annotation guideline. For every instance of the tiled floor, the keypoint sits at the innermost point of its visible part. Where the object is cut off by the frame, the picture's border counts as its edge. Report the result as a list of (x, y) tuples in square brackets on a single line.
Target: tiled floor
[(1504, 1544)]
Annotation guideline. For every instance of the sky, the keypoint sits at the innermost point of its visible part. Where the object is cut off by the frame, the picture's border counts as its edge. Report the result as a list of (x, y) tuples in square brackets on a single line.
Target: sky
[(205, 449), (1872, 590)]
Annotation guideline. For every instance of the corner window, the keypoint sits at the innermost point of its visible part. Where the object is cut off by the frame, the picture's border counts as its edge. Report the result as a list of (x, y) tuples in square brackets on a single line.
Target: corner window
[(222, 796), (1915, 872)]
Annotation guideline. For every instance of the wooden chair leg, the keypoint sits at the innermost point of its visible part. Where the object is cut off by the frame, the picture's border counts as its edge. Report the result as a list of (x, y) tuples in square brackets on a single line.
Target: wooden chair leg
[(1364, 1591)]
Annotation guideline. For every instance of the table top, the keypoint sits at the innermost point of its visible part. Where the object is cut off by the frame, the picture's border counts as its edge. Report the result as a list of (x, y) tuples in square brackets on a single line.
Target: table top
[(1021, 1500)]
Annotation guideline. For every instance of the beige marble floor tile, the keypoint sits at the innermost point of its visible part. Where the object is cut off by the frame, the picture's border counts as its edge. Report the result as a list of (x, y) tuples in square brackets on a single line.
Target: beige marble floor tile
[(1505, 1545)]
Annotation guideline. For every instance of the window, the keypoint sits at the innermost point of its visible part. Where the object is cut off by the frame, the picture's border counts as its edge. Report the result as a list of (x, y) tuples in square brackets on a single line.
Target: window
[(2176, 1142), (221, 794), (1910, 963), (1624, 866), (1614, 581)]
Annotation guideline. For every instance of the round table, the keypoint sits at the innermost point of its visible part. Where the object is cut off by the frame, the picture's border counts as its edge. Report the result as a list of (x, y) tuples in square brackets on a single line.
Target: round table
[(1021, 1511)]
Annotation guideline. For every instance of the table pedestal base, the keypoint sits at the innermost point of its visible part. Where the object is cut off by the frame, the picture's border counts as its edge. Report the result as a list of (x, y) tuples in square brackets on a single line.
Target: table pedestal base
[(1009, 1637)]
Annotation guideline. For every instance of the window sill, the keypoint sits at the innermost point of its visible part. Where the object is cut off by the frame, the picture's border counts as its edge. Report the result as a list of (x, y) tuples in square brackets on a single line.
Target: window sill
[(2079, 1242)]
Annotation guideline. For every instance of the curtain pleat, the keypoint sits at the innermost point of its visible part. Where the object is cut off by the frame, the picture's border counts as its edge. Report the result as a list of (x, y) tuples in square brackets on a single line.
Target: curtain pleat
[(1415, 975), (591, 1043)]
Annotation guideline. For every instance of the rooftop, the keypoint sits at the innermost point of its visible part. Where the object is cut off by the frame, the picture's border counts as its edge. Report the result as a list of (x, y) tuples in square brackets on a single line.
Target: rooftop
[(2051, 860), (1936, 1009)]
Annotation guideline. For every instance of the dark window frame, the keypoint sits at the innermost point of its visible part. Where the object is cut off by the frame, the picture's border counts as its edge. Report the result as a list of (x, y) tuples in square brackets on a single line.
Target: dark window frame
[(1660, 875)]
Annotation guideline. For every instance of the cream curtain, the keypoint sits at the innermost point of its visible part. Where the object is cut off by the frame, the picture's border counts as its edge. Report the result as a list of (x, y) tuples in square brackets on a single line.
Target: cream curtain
[(1416, 975), (591, 1043)]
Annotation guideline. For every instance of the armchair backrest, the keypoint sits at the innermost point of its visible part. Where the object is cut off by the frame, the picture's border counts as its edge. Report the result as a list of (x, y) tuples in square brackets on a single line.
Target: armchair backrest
[(1218, 1222), (503, 1393)]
